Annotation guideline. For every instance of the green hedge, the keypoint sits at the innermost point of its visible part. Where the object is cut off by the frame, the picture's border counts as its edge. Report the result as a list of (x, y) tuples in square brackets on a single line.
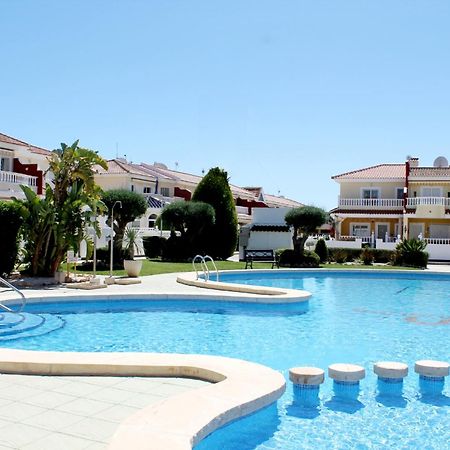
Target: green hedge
[(288, 258), (10, 222), (153, 246), (341, 255)]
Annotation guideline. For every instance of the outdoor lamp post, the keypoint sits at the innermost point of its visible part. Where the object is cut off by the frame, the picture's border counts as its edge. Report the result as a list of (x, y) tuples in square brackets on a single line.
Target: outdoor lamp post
[(118, 202)]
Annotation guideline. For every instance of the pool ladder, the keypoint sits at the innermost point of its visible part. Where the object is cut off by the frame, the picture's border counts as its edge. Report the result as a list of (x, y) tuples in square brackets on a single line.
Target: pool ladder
[(204, 266), (10, 286)]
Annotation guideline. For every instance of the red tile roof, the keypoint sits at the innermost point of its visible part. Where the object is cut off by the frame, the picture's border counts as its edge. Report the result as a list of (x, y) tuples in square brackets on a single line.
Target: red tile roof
[(10, 140), (115, 166), (380, 171), (430, 172)]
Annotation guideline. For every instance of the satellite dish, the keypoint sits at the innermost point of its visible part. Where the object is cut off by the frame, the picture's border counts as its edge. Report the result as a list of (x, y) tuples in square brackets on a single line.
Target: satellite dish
[(440, 161)]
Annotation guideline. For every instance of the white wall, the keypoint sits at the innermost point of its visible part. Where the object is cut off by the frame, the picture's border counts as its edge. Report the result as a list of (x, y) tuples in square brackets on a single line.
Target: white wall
[(269, 216), (385, 245), (438, 251), (357, 243)]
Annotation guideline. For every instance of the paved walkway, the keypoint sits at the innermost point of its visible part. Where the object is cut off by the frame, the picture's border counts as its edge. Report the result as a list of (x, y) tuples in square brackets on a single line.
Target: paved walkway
[(71, 413)]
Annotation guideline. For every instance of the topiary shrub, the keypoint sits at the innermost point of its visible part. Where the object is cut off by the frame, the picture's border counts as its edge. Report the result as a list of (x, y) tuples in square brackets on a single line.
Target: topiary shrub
[(153, 246), (220, 239), (321, 250), (367, 256), (10, 222), (411, 253)]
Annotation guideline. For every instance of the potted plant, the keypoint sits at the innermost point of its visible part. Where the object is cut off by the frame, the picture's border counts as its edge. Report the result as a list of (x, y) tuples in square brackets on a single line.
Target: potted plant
[(131, 244)]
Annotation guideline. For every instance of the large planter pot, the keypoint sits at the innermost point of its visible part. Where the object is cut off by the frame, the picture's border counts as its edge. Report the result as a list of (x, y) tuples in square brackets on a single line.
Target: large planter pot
[(132, 267)]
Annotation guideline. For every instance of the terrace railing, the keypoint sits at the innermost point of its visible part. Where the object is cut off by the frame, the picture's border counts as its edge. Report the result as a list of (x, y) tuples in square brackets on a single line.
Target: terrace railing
[(370, 202), (17, 178), (429, 201)]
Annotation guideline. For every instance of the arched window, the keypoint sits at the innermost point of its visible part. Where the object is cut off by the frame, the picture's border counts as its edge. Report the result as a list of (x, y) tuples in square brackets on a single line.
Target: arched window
[(152, 220)]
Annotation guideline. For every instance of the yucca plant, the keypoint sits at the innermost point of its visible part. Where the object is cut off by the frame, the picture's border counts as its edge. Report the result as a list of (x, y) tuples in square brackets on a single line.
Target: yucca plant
[(411, 252)]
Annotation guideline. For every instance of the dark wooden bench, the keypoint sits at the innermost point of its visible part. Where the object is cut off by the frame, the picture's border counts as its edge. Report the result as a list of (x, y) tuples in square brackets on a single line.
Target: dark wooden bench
[(251, 256)]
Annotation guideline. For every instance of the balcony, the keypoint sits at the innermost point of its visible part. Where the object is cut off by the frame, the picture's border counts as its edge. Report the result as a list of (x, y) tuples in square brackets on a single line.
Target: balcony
[(10, 183), (413, 202), (370, 203)]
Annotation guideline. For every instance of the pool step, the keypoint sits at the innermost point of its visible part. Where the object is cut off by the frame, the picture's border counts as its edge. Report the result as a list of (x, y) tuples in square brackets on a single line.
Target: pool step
[(21, 325)]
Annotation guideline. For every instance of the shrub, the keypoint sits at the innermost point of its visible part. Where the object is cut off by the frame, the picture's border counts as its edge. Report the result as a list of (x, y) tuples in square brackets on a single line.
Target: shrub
[(411, 252), (153, 246), (10, 221), (341, 255), (367, 256), (289, 258), (104, 258), (176, 248), (382, 256), (322, 250)]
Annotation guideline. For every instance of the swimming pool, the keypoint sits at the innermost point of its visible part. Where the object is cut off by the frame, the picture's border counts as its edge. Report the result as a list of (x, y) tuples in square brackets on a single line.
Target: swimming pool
[(352, 317)]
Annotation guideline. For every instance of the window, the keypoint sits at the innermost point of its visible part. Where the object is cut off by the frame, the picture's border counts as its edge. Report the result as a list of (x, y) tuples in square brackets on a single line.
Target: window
[(428, 191), (132, 188), (399, 193), (147, 190), (370, 193), (5, 164), (152, 221), (360, 229), (165, 191)]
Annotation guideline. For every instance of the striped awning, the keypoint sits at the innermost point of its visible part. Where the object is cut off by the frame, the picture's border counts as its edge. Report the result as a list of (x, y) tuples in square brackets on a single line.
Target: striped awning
[(153, 202)]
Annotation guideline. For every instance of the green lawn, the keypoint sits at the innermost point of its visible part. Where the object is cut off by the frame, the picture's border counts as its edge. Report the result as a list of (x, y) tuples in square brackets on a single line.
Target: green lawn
[(155, 267)]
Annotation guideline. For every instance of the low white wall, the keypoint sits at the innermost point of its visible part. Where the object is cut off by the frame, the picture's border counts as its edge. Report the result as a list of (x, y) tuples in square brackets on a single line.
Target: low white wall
[(385, 245), (438, 251), (332, 243)]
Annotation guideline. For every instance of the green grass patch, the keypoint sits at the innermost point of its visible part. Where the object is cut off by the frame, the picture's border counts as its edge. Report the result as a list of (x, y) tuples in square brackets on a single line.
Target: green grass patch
[(156, 267)]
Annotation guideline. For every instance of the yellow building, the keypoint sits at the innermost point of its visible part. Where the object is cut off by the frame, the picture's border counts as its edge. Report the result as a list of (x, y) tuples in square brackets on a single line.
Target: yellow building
[(389, 201)]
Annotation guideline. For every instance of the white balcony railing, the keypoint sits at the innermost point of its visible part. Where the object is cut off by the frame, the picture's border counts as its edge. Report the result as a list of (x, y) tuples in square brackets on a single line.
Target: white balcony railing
[(17, 178), (440, 241), (370, 202), (436, 201)]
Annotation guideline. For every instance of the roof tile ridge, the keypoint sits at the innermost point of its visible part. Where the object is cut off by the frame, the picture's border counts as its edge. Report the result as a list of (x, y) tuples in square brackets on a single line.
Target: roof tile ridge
[(15, 139), (366, 168)]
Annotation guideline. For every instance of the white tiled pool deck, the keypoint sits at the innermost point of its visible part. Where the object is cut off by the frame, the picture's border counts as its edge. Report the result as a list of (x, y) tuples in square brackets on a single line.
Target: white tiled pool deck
[(54, 413)]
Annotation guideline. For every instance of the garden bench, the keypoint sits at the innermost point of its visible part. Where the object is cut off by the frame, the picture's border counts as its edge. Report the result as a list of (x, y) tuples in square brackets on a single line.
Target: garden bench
[(251, 256)]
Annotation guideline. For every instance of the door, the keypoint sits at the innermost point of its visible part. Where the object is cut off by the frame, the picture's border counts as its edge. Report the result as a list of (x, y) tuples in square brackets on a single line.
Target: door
[(415, 229), (381, 230), (439, 231)]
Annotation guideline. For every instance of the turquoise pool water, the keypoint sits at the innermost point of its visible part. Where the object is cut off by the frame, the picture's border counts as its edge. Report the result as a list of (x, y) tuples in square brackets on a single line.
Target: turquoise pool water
[(351, 317)]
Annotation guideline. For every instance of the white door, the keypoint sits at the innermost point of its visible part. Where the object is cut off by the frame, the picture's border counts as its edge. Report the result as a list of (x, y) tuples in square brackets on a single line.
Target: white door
[(415, 229)]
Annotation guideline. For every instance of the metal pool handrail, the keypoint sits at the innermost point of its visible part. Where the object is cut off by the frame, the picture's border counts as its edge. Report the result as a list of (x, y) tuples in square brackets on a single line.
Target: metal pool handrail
[(204, 266), (9, 285)]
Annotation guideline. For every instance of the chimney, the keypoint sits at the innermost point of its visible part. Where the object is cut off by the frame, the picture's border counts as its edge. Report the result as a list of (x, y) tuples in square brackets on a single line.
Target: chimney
[(413, 162)]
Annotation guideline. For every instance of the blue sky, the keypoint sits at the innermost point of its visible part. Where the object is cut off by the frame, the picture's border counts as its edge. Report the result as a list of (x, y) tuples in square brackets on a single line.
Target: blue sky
[(282, 94)]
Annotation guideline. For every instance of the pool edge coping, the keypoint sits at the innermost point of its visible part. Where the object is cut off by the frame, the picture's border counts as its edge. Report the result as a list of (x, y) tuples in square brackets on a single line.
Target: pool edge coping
[(234, 394)]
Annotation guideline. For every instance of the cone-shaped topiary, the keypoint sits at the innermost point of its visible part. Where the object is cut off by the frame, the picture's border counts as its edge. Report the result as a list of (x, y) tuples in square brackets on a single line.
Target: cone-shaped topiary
[(220, 238), (322, 250)]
